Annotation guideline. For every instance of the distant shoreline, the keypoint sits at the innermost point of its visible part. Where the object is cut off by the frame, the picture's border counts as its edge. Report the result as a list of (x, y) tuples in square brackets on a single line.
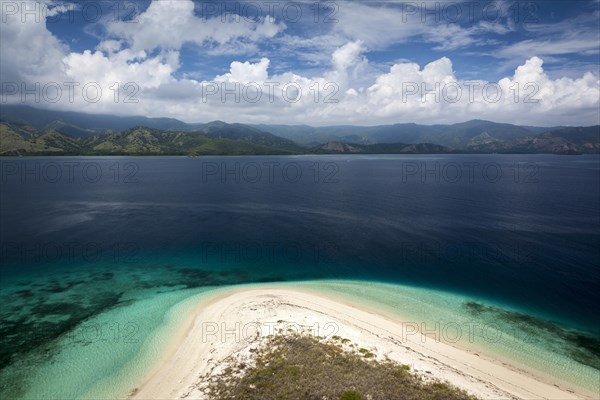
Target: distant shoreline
[(282, 155)]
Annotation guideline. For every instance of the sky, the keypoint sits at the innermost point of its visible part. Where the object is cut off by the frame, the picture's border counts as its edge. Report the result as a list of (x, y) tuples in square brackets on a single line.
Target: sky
[(307, 62)]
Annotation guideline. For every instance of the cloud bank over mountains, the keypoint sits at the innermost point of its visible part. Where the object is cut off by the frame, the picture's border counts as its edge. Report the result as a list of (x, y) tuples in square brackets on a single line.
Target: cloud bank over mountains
[(161, 61)]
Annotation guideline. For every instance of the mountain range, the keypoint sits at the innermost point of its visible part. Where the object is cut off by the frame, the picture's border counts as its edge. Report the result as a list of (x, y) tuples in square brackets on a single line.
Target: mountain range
[(26, 130)]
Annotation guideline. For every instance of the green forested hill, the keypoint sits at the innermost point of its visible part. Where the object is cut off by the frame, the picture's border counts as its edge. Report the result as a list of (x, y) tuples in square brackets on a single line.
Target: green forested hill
[(220, 138), (24, 140)]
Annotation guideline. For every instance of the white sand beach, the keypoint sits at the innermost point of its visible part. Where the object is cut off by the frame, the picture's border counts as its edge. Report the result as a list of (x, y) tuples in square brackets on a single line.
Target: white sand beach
[(234, 322)]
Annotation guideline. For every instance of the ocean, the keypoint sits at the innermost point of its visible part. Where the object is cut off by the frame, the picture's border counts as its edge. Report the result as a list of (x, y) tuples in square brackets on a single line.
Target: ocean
[(98, 252)]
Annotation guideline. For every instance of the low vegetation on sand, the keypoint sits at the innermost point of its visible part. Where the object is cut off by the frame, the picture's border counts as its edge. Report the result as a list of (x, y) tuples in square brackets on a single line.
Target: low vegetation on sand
[(303, 367)]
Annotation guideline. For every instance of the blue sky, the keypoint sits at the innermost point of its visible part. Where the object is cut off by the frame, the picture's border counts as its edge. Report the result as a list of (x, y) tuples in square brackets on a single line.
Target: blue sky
[(373, 52), (511, 23)]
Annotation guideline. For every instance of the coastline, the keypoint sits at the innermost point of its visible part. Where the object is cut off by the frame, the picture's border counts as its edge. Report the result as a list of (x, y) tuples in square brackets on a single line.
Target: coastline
[(231, 322)]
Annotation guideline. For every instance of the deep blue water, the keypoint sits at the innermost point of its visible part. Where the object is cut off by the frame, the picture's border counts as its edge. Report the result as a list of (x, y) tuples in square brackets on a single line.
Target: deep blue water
[(520, 229)]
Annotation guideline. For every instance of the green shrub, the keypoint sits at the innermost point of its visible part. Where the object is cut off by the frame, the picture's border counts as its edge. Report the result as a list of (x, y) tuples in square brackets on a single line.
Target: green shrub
[(351, 395)]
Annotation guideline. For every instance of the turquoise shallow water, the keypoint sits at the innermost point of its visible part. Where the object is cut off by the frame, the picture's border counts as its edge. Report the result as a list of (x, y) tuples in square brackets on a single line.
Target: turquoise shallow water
[(108, 353), (69, 332)]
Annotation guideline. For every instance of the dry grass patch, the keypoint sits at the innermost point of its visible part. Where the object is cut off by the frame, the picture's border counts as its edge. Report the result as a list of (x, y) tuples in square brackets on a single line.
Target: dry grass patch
[(303, 367)]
